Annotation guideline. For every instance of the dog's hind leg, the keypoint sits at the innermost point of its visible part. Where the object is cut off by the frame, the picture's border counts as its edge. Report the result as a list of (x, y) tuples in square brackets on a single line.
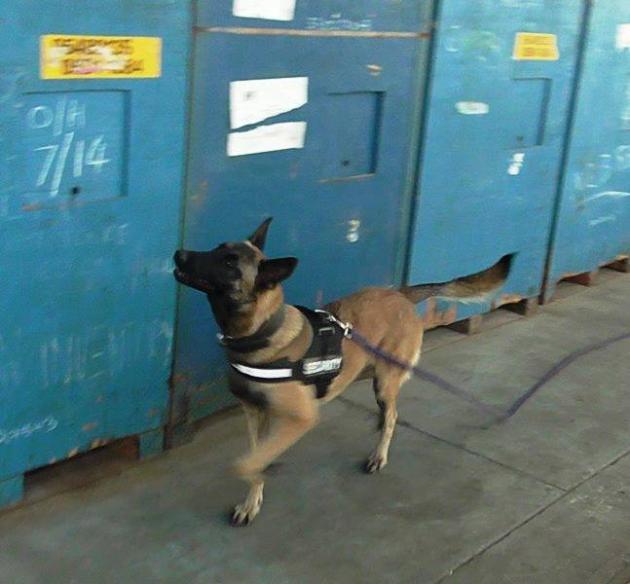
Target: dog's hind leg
[(387, 384), (386, 389), (294, 411)]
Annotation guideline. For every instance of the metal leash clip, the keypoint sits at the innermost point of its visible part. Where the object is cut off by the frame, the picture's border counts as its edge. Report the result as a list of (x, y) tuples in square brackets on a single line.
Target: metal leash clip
[(345, 326)]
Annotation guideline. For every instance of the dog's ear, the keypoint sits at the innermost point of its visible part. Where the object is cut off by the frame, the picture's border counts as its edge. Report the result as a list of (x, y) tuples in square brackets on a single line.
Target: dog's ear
[(259, 236), (272, 272)]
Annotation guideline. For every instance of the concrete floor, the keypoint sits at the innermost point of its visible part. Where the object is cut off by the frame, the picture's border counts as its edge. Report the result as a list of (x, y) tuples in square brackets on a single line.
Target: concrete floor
[(541, 499)]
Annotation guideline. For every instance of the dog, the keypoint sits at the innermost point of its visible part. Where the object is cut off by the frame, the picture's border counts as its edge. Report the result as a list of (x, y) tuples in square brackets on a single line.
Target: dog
[(244, 289)]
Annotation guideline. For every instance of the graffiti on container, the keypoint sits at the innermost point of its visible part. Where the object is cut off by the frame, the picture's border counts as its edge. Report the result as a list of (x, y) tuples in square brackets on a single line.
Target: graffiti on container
[(600, 220), (484, 46), (597, 170), (608, 194), (103, 351), (336, 22), (67, 150), (45, 425)]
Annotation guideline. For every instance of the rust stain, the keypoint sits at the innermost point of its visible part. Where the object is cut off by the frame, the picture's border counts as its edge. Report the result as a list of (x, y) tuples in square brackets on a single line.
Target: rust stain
[(582, 278), (32, 207), (152, 413), (89, 427), (178, 378), (98, 442), (507, 299)]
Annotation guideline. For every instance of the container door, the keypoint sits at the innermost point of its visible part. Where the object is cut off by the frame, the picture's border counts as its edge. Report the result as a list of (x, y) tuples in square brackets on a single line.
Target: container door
[(304, 112), (593, 223), (503, 73), (91, 140)]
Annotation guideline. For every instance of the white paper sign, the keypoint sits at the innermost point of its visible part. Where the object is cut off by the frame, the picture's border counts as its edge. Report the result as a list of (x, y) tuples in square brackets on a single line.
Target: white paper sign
[(623, 36), (472, 108), (271, 138), (255, 100), (266, 9)]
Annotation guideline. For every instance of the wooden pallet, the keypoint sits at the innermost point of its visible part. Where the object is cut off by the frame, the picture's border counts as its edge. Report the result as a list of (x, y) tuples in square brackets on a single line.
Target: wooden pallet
[(140, 447), (473, 324), (619, 264)]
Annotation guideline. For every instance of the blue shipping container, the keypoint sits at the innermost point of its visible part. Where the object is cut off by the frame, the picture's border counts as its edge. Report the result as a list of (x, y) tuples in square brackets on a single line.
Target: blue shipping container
[(593, 219), (91, 143), (499, 99)]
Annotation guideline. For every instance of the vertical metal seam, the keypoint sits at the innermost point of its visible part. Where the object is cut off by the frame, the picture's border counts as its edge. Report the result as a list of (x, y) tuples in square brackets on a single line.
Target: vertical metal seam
[(409, 211), (587, 13), (183, 204)]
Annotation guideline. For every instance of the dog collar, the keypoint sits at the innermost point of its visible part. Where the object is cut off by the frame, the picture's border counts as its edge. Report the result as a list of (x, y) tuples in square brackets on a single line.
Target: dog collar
[(259, 340), (321, 363)]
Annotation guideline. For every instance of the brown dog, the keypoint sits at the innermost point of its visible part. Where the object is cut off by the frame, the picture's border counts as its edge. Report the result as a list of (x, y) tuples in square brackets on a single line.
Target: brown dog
[(245, 293)]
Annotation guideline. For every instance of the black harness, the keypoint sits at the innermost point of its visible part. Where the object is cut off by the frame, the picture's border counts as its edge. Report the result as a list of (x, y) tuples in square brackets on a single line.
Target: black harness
[(320, 364)]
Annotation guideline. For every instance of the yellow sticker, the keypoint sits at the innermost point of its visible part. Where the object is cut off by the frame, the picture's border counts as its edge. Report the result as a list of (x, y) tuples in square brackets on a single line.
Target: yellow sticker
[(536, 46), (99, 57)]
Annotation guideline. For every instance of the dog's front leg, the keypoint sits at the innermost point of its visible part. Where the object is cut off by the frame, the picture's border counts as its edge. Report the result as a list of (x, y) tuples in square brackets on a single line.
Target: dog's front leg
[(293, 411), (256, 426)]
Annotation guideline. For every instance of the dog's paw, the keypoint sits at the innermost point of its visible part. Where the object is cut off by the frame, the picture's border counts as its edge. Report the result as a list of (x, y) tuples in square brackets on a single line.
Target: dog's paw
[(375, 463), (245, 513)]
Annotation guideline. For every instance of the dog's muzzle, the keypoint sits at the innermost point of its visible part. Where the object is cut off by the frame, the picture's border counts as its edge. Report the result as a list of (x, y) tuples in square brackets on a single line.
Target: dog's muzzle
[(180, 258)]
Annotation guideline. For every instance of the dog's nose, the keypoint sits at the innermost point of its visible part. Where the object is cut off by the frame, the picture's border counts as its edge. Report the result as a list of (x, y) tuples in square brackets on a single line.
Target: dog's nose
[(180, 257)]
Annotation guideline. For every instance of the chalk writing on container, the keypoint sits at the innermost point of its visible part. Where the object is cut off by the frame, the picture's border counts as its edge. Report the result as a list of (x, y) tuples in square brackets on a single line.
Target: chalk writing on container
[(69, 150), (43, 426)]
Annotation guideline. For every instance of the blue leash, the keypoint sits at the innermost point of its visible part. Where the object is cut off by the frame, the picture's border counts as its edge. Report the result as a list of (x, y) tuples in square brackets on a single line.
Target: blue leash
[(501, 415)]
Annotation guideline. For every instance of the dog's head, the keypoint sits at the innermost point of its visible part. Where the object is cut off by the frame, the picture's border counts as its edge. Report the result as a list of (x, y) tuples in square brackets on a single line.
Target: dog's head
[(235, 273)]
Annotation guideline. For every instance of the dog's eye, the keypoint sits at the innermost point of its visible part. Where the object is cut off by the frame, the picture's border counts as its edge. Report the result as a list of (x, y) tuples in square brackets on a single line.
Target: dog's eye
[(230, 260)]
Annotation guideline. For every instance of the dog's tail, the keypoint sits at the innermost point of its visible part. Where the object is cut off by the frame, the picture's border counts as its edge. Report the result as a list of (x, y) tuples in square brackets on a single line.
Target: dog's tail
[(473, 288)]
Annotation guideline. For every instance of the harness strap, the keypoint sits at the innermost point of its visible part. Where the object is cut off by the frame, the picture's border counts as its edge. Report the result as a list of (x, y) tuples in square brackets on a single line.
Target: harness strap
[(320, 364)]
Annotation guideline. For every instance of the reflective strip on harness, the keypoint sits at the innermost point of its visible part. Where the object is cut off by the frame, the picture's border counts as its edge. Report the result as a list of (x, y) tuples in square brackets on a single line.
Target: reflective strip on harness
[(263, 373)]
